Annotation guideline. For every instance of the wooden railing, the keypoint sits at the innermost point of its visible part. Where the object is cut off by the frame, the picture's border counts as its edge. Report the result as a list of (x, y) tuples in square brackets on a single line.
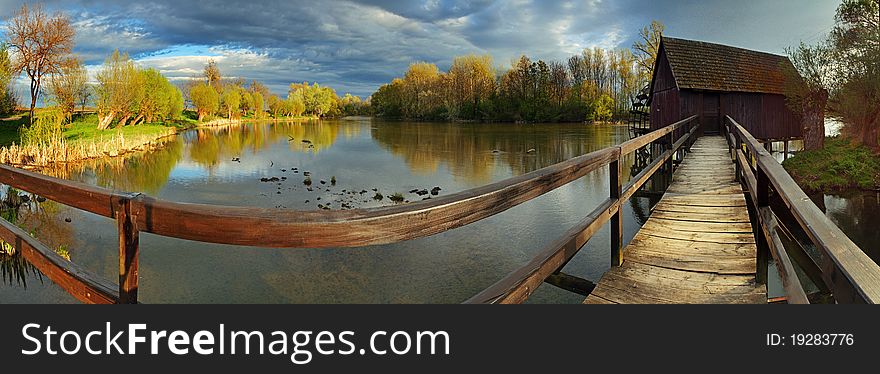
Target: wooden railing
[(547, 265), (136, 213), (844, 269)]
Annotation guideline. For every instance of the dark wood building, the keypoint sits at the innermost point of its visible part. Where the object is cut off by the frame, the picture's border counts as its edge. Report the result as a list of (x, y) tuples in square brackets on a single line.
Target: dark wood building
[(713, 80)]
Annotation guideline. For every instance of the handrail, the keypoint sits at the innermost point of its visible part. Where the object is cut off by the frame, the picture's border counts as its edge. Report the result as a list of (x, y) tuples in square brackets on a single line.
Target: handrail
[(519, 284), (264, 227), (849, 272)]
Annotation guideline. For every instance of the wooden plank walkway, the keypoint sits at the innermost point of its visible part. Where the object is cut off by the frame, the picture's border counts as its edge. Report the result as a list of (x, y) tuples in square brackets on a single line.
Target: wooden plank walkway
[(697, 247)]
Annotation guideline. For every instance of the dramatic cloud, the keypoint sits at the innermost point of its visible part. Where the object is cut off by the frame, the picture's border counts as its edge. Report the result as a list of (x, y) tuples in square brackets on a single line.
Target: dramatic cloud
[(354, 46)]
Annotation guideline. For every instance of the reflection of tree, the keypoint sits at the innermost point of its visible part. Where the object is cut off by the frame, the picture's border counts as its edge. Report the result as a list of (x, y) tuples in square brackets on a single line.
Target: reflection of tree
[(468, 150), (312, 136), (40, 220), (853, 213), (141, 173)]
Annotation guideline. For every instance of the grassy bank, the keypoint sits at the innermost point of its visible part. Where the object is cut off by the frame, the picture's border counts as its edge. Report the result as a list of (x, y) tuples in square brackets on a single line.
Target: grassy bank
[(840, 165), (81, 139)]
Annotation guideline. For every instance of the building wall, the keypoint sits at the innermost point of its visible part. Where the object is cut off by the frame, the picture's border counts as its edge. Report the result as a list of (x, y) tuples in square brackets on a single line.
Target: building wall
[(766, 116)]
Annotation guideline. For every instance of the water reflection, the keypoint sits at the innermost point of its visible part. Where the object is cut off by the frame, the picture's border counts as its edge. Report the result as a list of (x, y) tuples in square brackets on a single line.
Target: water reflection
[(226, 165), (855, 214)]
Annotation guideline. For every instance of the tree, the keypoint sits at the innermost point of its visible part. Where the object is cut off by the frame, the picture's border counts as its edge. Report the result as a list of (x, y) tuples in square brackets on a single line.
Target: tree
[(230, 101), (471, 82), (806, 90), (294, 106), (421, 91), (40, 43), (647, 47), (259, 106), (67, 85), (276, 105), (120, 90), (856, 47), (213, 77), (205, 99), (7, 96), (602, 108)]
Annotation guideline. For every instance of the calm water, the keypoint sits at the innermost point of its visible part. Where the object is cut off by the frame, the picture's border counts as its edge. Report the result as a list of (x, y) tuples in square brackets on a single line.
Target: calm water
[(225, 166)]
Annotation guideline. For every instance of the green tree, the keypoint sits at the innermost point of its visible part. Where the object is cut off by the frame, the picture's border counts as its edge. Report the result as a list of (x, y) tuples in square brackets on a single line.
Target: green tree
[(603, 108), (259, 106), (205, 99), (7, 96), (213, 76), (276, 105), (230, 102), (120, 90)]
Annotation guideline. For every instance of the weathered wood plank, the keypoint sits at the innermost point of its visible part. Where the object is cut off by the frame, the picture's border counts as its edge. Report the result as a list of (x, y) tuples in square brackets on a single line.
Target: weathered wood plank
[(698, 245)]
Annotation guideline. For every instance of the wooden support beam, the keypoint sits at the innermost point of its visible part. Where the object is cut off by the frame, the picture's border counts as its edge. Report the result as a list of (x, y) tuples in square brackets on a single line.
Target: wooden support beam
[(571, 283), (126, 221), (616, 221)]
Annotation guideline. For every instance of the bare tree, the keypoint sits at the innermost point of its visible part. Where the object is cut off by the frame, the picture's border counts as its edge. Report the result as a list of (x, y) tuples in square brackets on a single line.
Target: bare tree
[(40, 43)]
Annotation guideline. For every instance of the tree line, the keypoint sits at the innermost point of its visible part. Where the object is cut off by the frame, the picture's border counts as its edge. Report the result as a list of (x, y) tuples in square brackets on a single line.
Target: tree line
[(211, 95), (595, 85), (39, 46)]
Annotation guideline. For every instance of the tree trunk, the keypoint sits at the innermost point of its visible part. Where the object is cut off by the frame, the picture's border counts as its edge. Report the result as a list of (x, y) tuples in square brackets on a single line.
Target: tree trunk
[(104, 122), (123, 120), (137, 119), (872, 134), (814, 121), (201, 115)]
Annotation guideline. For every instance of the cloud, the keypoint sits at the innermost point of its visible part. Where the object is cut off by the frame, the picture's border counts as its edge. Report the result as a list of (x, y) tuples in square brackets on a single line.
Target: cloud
[(354, 46)]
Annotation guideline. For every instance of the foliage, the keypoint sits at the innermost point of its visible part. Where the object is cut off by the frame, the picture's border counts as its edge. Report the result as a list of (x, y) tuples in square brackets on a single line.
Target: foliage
[(230, 101), (317, 100), (120, 90), (528, 91), (7, 96), (841, 164), (647, 48), (205, 99), (46, 130), (67, 84), (602, 108)]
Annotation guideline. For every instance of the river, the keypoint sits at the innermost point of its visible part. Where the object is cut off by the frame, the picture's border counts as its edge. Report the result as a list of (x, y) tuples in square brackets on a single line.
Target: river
[(230, 166)]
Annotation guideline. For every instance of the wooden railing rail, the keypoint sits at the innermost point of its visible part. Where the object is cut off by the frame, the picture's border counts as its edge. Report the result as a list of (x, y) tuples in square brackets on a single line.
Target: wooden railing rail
[(518, 285), (846, 270), (262, 227)]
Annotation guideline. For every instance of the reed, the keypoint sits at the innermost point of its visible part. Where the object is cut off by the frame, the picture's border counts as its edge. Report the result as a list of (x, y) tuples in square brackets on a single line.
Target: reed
[(60, 150)]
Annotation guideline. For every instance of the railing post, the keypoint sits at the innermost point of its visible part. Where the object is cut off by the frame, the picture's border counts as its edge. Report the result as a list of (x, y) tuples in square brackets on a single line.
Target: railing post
[(616, 222), (763, 248), (128, 250)]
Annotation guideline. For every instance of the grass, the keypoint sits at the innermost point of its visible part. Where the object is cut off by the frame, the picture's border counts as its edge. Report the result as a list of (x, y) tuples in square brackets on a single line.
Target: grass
[(9, 130), (840, 165), (85, 128)]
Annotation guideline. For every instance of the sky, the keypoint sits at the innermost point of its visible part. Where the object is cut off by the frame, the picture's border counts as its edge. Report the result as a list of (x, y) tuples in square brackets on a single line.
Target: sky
[(355, 46)]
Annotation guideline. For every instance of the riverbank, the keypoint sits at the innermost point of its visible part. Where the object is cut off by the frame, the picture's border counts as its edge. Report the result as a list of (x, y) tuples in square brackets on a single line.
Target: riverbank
[(81, 140), (837, 167)]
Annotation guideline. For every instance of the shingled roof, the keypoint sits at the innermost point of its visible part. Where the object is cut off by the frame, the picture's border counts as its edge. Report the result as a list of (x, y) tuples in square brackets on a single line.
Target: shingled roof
[(715, 67)]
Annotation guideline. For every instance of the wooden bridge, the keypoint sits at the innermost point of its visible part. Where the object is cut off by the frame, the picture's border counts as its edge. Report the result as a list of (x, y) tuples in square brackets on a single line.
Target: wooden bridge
[(708, 240)]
